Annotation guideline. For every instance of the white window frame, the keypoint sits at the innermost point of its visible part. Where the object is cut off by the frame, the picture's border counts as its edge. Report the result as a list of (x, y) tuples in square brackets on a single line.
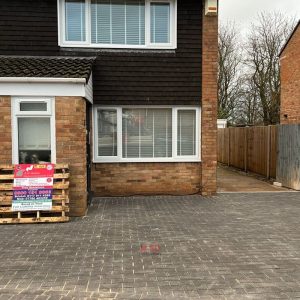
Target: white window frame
[(148, 45), (120, 159), (17, 113)]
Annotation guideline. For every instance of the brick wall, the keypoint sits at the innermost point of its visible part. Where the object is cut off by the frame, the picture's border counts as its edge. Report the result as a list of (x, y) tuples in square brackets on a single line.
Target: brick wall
[(71, 147), (209, 104), (174, 178), (126, 179), (290, 81), (5, 130)]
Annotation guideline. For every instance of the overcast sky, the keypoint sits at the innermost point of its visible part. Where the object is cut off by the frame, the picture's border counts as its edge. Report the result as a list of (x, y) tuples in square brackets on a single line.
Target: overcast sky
[(243, 12)]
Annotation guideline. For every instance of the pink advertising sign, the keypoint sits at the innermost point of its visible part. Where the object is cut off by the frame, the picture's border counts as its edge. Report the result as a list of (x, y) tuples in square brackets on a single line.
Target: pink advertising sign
[(33, 187)]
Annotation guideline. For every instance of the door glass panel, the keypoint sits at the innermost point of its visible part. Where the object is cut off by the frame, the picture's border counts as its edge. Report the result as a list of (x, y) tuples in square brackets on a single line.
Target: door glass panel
[(34, 140)]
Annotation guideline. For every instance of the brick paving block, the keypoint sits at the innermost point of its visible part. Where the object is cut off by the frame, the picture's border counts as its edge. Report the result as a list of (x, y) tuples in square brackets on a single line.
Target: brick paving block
[(231, 246)]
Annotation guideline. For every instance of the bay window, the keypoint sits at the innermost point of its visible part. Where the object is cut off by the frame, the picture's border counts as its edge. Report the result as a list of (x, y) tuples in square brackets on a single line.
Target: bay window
[(118, 23), (126, 134), (33, 131)]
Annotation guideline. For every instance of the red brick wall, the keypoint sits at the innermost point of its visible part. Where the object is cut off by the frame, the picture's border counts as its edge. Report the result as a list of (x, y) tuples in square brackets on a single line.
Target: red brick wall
[(290, 81), (5, 130), (124, 179), (71, 148), (209, 104)]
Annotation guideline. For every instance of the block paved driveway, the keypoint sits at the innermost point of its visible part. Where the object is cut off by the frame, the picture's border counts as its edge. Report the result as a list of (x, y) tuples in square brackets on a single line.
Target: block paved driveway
[(232, 246)]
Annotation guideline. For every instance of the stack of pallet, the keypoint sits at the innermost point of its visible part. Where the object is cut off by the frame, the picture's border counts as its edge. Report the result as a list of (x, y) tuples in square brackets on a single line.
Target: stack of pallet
[(60, 202)]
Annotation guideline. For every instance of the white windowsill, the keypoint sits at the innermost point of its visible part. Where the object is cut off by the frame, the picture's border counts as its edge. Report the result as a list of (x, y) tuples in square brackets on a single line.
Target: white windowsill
[(96, 46), (145, 160)]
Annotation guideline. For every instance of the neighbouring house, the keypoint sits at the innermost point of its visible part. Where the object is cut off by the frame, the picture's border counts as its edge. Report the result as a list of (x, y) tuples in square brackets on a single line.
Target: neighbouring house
[(290, 79), (124, 91)]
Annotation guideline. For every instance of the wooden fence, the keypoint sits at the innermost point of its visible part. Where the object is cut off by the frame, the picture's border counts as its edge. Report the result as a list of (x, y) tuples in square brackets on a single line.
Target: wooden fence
[(251, 149), (288, 161)]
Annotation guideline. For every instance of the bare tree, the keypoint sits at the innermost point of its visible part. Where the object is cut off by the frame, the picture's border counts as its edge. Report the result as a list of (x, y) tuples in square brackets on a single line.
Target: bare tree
[(249, 110), (263, 45), (229, 87)]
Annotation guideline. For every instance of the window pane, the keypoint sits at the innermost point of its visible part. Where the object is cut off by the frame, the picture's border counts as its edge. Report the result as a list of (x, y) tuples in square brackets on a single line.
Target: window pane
[(118, 22), (186, 132), (75, 20), (107, 133), (160, 22), (101, 21), (34, 140), (33, 106), (147, 133), (135, 22)]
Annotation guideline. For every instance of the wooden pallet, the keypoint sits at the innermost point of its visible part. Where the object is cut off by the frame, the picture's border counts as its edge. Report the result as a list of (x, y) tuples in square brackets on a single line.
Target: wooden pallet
[(60, 201)]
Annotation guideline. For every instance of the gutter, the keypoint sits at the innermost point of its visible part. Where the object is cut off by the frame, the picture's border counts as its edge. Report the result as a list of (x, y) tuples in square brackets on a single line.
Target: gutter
[(43, 79)]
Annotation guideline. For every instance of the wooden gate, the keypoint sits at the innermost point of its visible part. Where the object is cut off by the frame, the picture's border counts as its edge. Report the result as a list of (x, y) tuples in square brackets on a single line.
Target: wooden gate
[(288, 159)]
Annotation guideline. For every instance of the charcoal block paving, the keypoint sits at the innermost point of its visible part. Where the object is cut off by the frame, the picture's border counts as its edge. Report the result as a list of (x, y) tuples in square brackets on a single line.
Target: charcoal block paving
[(231, 246)]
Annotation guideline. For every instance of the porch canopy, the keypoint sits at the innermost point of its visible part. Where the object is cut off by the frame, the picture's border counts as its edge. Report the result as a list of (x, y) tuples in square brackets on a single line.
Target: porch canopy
[(46, 76)]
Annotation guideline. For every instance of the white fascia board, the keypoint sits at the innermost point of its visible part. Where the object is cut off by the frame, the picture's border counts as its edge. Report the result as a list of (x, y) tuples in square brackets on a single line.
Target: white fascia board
[(89, 89), (24, 86)]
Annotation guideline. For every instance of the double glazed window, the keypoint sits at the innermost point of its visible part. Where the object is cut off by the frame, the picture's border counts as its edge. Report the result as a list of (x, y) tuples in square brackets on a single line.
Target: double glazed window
[(146, 134), (33, 136), (118, 23)]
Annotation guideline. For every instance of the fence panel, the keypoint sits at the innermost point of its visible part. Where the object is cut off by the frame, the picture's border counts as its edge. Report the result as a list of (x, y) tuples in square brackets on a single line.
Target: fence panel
[(257, 150), (223, 143), (273, 150), (249, 148), (237, 147), (288, 163)]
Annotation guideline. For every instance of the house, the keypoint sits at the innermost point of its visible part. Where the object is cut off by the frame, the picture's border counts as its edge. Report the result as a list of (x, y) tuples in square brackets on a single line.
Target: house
[(290, 79), (124, 91)]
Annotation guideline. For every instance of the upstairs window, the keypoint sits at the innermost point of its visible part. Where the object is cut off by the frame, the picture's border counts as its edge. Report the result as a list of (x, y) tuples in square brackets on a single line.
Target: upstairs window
[(118, 23)]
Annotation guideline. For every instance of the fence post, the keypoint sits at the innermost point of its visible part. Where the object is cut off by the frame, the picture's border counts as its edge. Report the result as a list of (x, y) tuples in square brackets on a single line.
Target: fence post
[(268, 150), (246, 149), (228, 147)]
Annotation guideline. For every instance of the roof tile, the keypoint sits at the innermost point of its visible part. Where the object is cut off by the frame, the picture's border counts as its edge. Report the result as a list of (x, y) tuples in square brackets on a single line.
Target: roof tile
[(49, 67)]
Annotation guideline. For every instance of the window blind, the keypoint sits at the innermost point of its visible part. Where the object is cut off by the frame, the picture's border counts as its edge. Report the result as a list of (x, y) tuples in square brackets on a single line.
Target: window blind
[(186, 132), (147, 133), (160, 22), (107, 133), (119, 22), (75, 20)]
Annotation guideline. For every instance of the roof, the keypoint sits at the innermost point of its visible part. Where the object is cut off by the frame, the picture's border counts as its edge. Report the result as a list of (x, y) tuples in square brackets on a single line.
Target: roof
[(46, 67), (290, 37)]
